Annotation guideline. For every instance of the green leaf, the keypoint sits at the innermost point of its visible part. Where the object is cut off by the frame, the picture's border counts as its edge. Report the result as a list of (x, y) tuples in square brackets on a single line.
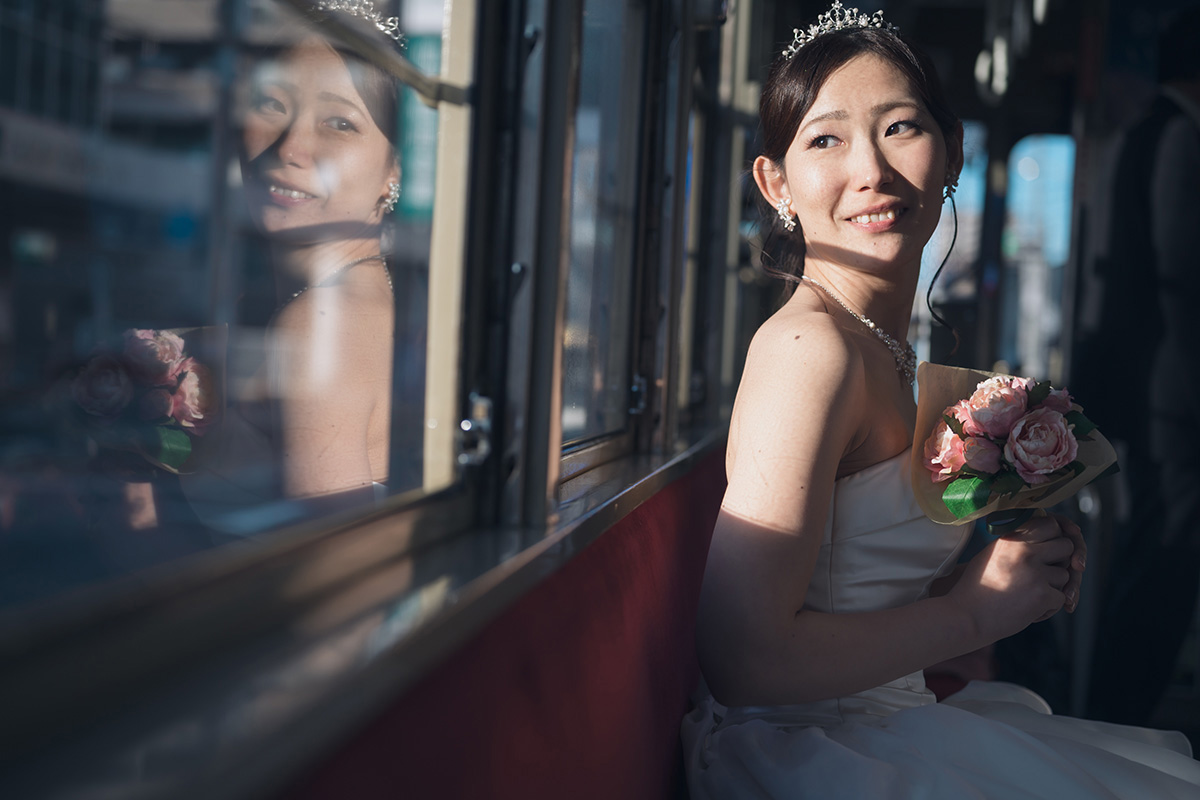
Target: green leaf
[(966, 496), (174, 446), (1039, 393), (1083, 425), (955, 425)]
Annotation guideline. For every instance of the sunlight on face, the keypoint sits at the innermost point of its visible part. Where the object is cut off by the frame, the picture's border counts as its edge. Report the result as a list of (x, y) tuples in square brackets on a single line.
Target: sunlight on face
[(314, 163), (866, 169)]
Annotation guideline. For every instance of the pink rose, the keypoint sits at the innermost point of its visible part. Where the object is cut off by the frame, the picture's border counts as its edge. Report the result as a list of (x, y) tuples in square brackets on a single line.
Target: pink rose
[(1058, 400), (192, 403), (944, 452), (1040, 443), (998, 403), (962, 412), (982, 454), (155, 404), (153, 357), (103, 387)]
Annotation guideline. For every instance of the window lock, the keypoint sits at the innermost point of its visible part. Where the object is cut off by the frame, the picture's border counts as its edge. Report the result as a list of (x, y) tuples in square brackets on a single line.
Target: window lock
[(475, 432), (637, 395)]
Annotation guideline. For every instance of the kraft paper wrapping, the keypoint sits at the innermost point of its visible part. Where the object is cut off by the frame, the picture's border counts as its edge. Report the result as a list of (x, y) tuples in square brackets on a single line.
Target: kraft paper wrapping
[(940, 386)]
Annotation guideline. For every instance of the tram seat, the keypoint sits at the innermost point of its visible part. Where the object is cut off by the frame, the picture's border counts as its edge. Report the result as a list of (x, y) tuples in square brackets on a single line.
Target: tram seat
[(576, 690)]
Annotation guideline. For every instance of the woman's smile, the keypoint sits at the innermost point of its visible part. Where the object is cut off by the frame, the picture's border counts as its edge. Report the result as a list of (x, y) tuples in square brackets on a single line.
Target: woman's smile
[(285, 194), (878, 219)]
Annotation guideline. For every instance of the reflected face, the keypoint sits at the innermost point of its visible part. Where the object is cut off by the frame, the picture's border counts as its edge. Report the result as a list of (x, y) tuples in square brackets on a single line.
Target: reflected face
[(314, 163), (866, 169)]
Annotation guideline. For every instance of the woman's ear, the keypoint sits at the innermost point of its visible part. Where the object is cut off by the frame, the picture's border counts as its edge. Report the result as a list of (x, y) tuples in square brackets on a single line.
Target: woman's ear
[(391, 189), (954, 152), (394, 172), (771, 181)]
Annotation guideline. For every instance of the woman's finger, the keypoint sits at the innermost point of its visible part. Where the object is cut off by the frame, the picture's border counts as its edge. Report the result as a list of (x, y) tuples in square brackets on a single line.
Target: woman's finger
[(1073, 532), (1077, 563), (1056, 551), (1058, 577)]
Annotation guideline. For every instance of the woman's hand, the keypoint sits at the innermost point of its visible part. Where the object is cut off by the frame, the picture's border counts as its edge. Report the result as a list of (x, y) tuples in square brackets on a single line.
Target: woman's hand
[(1024, 577)]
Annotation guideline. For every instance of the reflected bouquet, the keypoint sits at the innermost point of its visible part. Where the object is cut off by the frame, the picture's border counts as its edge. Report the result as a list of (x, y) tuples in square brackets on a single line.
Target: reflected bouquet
[(987, 442), (148, 397)]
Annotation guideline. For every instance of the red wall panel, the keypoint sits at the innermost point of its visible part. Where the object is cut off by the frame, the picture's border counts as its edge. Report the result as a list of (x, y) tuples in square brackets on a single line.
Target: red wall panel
[(575, 691)]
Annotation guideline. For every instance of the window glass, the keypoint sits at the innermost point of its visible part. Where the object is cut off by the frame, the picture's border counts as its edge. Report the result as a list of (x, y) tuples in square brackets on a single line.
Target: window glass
[(1036, 243), (213, 303), (957, 280), (955, 292), (596, 350)]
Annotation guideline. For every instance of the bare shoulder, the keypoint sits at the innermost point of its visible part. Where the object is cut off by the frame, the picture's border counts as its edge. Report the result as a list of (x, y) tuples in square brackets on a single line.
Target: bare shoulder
[(332, 335), (804, 349), (799, 410), (349, 317)]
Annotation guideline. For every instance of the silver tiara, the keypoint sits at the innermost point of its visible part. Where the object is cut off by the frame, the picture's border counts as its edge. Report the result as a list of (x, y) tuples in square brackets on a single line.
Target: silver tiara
[(837, 19), (389, 26)]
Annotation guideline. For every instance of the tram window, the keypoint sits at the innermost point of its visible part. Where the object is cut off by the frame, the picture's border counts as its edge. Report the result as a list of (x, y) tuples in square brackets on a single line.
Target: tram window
[(210, 324), (596, 347), (957, 280), (1036, 243)]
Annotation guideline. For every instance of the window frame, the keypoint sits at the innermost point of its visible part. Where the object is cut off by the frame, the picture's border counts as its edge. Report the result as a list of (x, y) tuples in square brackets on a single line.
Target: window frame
[(512, 520), (177, 618)]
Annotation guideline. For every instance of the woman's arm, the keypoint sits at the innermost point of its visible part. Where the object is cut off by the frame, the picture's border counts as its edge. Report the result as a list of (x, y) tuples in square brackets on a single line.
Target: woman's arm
[(801, 407)]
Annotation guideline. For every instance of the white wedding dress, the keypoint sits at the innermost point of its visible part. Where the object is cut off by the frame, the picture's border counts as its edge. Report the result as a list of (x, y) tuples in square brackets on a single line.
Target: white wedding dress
[(991, 740)]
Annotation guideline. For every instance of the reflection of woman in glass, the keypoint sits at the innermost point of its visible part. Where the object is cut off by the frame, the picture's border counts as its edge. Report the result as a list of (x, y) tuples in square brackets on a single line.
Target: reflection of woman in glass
[(320, 173)]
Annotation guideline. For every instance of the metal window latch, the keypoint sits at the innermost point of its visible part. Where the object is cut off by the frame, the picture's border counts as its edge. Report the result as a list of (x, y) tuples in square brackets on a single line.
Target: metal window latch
[(637, 395), (475, 432)]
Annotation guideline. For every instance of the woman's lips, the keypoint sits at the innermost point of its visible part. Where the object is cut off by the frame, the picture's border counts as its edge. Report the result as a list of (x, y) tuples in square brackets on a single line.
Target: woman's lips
[(287, 195), (878, 219)]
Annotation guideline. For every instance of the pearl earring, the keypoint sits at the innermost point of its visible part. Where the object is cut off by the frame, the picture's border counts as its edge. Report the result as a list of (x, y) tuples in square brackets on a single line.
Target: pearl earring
[(785, 213), (951, 185), (389, 204)]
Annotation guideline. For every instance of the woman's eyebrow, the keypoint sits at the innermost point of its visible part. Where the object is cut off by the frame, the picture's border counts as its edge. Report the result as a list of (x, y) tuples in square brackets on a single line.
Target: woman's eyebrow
[(884, 108), (337, 98), (839, 114), (878, 110)]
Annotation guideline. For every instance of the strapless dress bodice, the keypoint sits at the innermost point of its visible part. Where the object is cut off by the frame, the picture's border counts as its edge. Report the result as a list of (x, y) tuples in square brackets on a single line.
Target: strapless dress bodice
[(878, 551)]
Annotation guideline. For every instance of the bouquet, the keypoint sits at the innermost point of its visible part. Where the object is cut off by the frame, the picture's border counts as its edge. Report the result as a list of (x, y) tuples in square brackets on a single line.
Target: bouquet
[(147, 396), (986, 442)]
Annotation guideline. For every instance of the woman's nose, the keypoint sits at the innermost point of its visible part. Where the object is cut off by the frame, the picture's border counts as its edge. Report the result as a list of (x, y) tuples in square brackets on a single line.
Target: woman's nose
[(295, 143), (872, 168)]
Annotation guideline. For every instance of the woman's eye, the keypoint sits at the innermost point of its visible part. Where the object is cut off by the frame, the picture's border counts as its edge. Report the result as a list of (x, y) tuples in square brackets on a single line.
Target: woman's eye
[(902, 127), (266, 103), (341, 124), (823, 142)]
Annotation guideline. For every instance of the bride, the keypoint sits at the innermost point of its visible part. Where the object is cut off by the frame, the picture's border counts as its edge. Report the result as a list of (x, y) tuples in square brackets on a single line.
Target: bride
[(826, 590), (312, 414), (320, 172)]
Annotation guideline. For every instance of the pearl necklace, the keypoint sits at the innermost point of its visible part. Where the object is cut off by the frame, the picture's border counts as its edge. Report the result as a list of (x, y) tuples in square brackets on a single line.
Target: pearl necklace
[(906, 358), (337, 272)]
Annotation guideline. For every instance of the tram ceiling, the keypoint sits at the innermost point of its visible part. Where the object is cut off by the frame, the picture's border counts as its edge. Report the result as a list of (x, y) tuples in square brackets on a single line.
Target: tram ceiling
[(1015, 64)]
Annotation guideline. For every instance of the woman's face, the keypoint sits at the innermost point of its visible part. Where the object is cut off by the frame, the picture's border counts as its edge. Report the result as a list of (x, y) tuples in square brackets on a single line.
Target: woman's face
[(314, 163), (866, 169)]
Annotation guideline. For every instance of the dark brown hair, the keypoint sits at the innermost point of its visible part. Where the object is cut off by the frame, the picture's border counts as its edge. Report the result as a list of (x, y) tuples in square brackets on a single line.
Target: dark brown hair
[(792, 87)]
